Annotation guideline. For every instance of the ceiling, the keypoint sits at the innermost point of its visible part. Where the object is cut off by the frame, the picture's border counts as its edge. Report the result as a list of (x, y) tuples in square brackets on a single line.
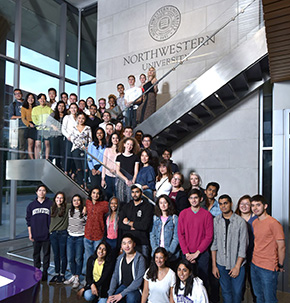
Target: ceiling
[(81, 3)]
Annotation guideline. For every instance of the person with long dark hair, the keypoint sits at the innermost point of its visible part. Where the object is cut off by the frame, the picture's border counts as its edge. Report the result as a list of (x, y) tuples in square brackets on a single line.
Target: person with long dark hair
[(58, 235), (159, 279), (177, 193), (163, 179), (75, 241), (188, 288), (26, 109), (96, 149)]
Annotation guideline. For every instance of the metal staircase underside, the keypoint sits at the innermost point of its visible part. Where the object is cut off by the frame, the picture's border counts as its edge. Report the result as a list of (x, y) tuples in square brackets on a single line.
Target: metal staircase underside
[(220, 88), (43, 170)]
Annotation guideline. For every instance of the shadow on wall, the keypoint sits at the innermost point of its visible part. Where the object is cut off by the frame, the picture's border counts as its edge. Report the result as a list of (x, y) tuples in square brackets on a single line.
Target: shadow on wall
[(163, 95)]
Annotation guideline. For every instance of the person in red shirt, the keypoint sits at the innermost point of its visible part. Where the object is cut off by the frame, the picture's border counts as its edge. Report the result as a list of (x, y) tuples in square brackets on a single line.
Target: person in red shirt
[(97, 208)]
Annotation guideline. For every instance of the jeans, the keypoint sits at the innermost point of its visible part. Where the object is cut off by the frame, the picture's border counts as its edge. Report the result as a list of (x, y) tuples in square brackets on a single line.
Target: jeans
[(232, 288), (132, 297), (264, 283), (110, 189), (45, 245), (58, 241), (90, 247), (75, 254), (90, 297), (79, 161)]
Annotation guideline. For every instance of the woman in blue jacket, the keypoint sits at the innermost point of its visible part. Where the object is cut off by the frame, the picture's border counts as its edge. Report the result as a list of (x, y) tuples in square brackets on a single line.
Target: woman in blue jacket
[(164, 229)]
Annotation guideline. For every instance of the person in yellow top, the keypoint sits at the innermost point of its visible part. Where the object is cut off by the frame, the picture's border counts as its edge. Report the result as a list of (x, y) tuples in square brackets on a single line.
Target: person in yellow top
[(39, 116), (30, 133)]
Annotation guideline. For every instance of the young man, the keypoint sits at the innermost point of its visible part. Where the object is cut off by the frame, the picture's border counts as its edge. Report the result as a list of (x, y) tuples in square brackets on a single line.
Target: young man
[(195, 232), (228, 251), (121, 100), (146, 142), (38, 221), (52, 98), (73, 98), (14, 113), (167, 154), (269, 252), (210, 203), (93, 121), (106, 116), (128, 274), (64, 98), (131, 95), (136, 219), (128, 132)]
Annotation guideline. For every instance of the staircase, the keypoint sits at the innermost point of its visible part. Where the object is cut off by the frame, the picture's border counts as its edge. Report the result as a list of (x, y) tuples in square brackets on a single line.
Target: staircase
[(216, 91)]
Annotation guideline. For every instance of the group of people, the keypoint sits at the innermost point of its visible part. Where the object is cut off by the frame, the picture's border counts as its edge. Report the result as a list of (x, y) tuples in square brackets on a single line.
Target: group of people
[(181, 249)]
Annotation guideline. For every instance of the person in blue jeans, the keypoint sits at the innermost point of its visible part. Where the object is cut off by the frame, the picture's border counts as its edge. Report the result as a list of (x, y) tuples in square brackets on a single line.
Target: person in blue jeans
[(269, 252), (228, 250), (75, 241), (128, 274)]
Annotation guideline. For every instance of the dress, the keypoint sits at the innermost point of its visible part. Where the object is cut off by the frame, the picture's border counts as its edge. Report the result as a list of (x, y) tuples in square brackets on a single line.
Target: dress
[(148, 107)]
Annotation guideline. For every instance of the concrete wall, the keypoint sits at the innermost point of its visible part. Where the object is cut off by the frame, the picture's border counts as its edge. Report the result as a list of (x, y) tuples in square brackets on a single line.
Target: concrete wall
[(227, 151), (126, 47)]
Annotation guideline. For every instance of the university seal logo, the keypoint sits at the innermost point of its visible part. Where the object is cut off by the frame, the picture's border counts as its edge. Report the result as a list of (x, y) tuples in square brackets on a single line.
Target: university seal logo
[(164, 23)]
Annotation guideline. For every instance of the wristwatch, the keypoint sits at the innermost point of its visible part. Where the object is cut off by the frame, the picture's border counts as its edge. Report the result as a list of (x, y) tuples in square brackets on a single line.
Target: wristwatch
[(280, 265)]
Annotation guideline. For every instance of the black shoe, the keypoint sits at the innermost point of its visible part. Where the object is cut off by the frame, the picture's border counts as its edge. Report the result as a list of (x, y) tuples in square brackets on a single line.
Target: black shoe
[(60, 279), (44, 276), (54, 279)]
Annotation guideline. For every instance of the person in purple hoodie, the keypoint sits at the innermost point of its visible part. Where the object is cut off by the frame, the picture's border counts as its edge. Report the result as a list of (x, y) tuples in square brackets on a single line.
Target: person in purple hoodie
[(38, 221)]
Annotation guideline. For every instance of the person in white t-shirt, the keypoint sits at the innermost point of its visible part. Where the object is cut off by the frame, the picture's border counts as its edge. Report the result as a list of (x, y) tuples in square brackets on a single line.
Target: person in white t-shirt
[(159, 279), (188, 289)]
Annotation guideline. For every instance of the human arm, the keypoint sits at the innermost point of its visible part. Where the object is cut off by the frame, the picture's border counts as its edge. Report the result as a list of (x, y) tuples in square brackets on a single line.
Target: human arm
[(175, 242), (215, 270), (281, 253), (103, 182), (136, 168), (145, 292), (208, 229), (235, 271), (35, 116), (119, 174), (30, 234), (24, 116), (115, 278), (64, 127), (181, 233), (154, 234), (151, 178), (154, 80)]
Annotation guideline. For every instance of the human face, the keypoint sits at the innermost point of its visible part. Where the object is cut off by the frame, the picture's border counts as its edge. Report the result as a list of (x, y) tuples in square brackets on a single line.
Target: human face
[(73, 109), (144, 157), (59, 199), (115, 139), (194, 180), (142, 79), (163, 204), (166, 155), (129, 145), (160, 260), (51, 95), (30, 99), (225, 206), (95, 195), (101, 252), (114, 205), (151, 72), (245, 206), (211, 192), (112, 102), (102, 104), (42, 101), (72, 99), (41, 192), (76, 202), (106, 117), (17, 95), (119, 126), (176, 180), (120, 89), (131, 81), (183, 273), (99, 134), (138, 136), (128, 132), (64, 98), (146, 142), (194, 200), (128, 245), (163, 169), (82, 105), (89, 102), (61, 108), (136, 194), (109, 130), (81, 119), (93, 110), (258, 208)]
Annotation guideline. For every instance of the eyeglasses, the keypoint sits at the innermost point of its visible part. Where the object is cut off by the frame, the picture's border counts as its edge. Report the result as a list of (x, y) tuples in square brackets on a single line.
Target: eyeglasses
[(175, 178)]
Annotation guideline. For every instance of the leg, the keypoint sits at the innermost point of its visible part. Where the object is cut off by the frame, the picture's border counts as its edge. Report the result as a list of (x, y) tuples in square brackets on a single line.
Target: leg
[(46, 255), (47, 148), (96, 243), (89, 248), (133, 296), (37, 149), (36, 254), (55, 247), (79, 255), (30, 143), (88, 295), (257, 283), (202, 267), (62, 249), (22, 142), (226, 284), (71, 252), (238, 285)]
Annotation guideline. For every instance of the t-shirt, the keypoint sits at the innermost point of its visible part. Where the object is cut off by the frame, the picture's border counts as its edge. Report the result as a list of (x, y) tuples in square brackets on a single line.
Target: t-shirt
[(97, 271), (266, 233), (127, 276), (127, 164), (159, 291)]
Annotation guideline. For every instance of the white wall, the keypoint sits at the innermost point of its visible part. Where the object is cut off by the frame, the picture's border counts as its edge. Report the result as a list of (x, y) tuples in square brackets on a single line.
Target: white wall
[(227, 151)]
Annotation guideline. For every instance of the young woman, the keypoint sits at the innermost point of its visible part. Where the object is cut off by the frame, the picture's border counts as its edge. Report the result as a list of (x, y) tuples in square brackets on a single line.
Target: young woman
[(97, 208), (127, 166), (68, 123), (177, 194), (26, 109), (97, 149), (188, 288), (81, 136), (89, 101), (146, 175), (82, 105), (114, 109), (109, 173), (112, 219), (119, 129), (164, 228), (58, 235), (163, 185), (195, 182), (98, 275), (75, 241), (159, 280), (56, 119)]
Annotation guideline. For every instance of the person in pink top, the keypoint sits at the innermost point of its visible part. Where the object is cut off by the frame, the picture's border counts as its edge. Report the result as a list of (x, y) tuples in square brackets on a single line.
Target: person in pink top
[(195, 233)]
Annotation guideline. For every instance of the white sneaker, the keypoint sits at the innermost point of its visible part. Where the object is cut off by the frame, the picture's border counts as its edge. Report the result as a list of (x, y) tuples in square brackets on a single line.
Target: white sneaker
[(70, 280), (76, 282)]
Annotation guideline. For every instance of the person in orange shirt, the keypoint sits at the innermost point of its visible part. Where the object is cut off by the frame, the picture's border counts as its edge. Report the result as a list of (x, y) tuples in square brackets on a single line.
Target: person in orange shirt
[(269, 252)]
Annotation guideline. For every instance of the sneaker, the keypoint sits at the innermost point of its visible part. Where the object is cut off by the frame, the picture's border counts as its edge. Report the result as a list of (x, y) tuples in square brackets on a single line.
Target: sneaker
[(54, 278), (76, 283), (69, 281), (60, 279)]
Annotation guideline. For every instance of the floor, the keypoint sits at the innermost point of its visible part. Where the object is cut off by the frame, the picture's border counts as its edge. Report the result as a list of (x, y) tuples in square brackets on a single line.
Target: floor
[(61, 293)]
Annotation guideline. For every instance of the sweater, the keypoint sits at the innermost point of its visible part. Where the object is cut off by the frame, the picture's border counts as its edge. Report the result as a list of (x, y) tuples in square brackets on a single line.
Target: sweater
[(195, 231), (39, 116)]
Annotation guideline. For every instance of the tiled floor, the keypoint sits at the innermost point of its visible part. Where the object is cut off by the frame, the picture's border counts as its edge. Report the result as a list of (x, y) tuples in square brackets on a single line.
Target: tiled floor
[(61, 293)]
